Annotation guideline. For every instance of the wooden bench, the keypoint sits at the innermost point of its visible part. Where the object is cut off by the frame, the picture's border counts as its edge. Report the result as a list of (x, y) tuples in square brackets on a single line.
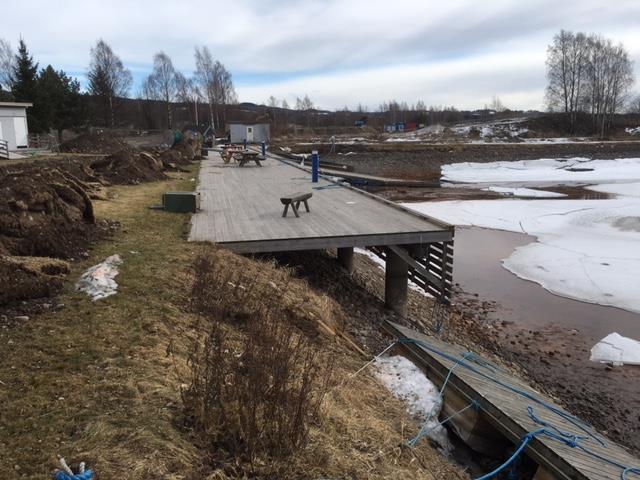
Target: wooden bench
[(295, 200)]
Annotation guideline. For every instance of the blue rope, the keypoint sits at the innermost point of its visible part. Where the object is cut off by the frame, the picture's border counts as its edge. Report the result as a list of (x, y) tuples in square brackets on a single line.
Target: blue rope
[(568, 417), (547, 429)]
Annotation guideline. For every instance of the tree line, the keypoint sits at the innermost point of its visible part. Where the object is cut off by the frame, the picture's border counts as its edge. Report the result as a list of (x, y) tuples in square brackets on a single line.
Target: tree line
[(58, 102), (588, 75)]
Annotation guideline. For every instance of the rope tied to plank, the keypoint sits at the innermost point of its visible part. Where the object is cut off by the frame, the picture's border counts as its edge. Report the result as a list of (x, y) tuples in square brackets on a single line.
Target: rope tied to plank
[(547, 429)]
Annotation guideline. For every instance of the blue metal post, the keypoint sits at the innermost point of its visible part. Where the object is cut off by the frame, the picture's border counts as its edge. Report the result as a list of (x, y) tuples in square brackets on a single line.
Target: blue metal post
[(315, 165), (264, 149), (245, 143)]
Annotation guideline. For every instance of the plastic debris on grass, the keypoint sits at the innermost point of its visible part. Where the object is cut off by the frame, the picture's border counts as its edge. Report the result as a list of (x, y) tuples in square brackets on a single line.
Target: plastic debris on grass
[(409, 384), (99, 281), (616, 349)]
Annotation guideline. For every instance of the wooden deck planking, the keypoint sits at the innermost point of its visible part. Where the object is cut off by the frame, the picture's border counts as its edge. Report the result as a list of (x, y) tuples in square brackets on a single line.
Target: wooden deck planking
[(241, 207), (510, 411)]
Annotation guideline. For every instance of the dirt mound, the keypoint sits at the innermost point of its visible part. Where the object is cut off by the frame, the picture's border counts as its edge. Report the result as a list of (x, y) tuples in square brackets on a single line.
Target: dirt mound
[(46, 211), (128, 167), (30, 277), (94, 142), (182, 153)]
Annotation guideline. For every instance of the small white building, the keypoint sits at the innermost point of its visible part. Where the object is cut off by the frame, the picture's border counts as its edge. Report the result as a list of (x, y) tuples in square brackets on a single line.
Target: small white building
[(251, 132), (13, 124)]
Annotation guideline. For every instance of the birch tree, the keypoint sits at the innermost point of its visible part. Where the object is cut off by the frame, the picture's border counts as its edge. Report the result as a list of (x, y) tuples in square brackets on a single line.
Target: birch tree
[(7, 61), (162, 83), (108, 79)]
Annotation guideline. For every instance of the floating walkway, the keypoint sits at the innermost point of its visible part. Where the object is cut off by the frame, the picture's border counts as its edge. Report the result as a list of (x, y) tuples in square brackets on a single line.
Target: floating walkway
[(508, 410)]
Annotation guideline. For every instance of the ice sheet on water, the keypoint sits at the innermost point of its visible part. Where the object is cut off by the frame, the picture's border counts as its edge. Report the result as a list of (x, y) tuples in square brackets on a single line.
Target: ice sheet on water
[(524, 192), (561, 170), (408, 383), (614, 348), (588, 250), (99, 281)]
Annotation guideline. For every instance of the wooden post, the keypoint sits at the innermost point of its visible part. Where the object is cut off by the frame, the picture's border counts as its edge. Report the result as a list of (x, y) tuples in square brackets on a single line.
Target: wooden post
[(396, 282), (345, 257)]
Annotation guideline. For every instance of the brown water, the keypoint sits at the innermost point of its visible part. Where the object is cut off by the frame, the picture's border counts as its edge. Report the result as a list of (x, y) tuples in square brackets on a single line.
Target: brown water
[(478, 269)]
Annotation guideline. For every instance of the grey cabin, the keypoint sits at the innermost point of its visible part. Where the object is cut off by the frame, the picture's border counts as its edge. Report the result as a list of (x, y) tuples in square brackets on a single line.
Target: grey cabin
[(251, 132)]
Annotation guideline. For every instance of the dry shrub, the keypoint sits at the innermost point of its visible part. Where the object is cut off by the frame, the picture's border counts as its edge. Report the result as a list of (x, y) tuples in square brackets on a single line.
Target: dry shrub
[(255, 396), (258, 379)]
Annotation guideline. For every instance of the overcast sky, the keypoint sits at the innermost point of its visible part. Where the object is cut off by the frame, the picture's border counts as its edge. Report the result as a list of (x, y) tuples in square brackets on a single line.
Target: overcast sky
[(340, 52)]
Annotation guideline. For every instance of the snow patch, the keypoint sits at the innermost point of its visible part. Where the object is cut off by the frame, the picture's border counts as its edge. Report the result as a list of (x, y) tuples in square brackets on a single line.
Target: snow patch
[(99, 281), (616, 349), (633, 131), (560, 170), (409, 384), (524, 192), (631, 189)]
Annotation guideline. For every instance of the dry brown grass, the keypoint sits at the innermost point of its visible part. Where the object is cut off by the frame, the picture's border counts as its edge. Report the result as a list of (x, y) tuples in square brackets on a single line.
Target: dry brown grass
[(101, 381)]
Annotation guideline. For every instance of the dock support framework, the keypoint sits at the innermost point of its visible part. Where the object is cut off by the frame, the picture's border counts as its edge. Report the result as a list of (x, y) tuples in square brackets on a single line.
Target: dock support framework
[(429, 265)]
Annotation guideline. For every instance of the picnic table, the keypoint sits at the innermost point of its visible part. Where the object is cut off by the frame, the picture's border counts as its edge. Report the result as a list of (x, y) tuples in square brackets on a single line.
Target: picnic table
[(245, 156), (228, 151)]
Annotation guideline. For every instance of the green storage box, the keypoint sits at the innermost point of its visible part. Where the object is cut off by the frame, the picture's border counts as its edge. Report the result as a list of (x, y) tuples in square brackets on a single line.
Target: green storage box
[(181, 202)]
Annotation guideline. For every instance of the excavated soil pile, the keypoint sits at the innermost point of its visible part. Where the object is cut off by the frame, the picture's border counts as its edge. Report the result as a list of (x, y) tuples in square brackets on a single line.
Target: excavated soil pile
[(94, 142), (128, 167), (30, 277), (46, 211), (182, 153)]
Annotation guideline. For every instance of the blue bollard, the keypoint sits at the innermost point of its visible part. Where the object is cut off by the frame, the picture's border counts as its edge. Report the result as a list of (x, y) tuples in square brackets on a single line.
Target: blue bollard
[(245, 143), (264, 149), (315, 165)]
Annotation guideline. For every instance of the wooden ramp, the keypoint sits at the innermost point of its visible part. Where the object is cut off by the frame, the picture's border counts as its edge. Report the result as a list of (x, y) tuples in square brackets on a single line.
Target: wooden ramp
[(507, 412), (241, 210)]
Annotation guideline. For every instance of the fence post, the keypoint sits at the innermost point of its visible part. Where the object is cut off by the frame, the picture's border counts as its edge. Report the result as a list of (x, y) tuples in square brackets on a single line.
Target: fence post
[(315, 165)]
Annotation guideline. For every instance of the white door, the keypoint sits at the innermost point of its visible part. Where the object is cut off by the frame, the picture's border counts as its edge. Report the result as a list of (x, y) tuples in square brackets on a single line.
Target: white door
[(20, 128), (249, 134)]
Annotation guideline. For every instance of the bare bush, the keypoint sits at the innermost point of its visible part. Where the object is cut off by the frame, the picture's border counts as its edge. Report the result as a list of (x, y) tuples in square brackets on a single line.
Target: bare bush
[(257, 381)]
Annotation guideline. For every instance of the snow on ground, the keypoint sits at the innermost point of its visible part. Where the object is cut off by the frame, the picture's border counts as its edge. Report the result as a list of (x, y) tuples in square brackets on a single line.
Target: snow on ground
[(408, 383), (560, 170), (524, 192), (588, 250), (99, 281), (633, 131), (614, 348)]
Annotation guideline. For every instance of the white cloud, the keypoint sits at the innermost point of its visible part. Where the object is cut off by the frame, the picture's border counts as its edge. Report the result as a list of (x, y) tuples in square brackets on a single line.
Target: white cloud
[(338, 51)]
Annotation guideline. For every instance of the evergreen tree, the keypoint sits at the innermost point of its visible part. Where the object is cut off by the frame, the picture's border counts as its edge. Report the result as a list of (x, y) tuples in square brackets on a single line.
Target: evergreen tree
[(24, 84), (59, 100)]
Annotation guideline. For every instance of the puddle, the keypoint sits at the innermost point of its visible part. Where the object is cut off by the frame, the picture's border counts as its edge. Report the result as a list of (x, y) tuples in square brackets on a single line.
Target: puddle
[(478, 269)]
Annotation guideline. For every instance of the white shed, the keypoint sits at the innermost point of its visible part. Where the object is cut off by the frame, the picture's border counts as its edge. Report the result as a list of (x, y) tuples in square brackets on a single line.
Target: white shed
[(13, 124), (251, 132)]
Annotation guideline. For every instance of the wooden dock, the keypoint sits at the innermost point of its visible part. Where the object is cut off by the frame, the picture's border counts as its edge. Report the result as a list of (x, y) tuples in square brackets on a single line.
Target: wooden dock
[(241, 210), (507, 412)]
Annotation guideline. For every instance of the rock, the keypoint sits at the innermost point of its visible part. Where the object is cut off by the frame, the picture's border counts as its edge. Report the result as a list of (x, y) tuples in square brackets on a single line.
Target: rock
[(21, 318)]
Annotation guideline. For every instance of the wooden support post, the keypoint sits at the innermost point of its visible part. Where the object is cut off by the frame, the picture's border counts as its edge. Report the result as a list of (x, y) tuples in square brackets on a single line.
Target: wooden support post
[(396, 282), (345, 257)]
